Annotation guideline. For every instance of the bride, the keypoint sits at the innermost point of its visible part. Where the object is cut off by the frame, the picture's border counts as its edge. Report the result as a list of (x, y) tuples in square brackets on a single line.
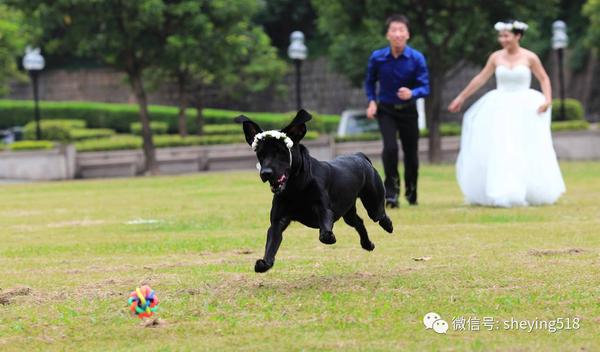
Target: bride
[(506, 155)]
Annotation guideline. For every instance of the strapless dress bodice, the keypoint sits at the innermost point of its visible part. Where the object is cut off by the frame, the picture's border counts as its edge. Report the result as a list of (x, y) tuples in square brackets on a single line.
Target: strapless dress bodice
[(513, 79)]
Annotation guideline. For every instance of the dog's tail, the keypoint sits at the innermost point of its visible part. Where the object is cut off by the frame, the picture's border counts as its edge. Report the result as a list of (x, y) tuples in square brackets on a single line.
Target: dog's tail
[(366, 157)]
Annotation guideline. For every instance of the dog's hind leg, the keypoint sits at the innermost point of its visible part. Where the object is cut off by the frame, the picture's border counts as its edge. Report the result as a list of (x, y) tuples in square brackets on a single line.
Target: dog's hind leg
[(373, 198), (351, 218)]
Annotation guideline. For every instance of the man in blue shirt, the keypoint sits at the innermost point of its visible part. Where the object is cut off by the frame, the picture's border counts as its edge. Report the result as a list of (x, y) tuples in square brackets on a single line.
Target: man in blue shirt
[(403, 77)]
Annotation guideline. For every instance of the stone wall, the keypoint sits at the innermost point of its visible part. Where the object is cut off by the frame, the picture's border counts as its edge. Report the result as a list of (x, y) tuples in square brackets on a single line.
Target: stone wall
[(55, 164), (323, 89), (66, 163)]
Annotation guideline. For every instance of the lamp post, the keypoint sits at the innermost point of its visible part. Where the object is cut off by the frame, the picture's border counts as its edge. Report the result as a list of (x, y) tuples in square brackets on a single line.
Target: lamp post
[(297, 51), (34, 62), (560, 41)]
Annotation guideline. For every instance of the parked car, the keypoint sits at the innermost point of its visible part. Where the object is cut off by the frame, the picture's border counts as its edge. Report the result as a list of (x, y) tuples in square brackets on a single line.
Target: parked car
[(11, 135), (356, 122)]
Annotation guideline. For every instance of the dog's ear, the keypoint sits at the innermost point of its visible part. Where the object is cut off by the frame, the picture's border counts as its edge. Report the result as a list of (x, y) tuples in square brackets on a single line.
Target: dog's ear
[(297, 128), (251, 129)]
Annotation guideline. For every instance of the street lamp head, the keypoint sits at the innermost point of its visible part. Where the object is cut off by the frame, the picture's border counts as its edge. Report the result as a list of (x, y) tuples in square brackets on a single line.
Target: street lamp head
[(559, 25), (297, 50), (560, 39), (33, 60)]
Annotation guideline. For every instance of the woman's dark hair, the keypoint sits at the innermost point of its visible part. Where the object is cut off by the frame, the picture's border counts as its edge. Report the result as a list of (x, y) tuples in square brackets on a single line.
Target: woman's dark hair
[(514, 30), (396, 18)]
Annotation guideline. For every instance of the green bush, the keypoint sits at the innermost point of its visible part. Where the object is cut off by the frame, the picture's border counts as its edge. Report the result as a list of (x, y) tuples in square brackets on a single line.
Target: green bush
[(572, 125), (222, 129), (65, 131), (117, 142), (68, 123), (177, 141), (30, 145), (90, 133), (359, 137), (573, 109), (53, 130), (121, 142), (157, 127), (454, 129), (120, 116), (446, 129)]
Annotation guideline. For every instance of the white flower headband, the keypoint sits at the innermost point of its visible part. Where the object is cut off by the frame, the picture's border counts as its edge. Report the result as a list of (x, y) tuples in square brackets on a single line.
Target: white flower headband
[(273, 134), (503, 26)]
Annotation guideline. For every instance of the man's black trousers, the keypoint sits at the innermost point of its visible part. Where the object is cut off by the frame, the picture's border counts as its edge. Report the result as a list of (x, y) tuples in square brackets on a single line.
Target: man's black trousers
[(403, 122)]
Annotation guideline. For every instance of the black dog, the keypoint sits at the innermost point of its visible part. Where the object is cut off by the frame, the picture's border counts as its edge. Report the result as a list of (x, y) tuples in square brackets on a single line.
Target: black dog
[(313, 192)]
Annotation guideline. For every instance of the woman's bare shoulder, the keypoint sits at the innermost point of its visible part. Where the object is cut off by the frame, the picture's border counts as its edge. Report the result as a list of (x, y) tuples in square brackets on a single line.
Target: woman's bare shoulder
[(530, 55), (494, 56)]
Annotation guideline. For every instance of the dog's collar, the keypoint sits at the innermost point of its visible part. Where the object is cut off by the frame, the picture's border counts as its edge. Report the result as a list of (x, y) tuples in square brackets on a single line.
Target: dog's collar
[(273, 134)]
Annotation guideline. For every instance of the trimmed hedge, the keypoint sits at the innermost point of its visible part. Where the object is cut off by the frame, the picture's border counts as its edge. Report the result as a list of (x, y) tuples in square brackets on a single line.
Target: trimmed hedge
[(222, 129), (52, 130), (157, 127), (122, 142), (446, 129), (64, 131), (454, 129), (573, 125), (67, 123), (30, 145), (573, 109), (79, 134), (359, 137), (120, 116)]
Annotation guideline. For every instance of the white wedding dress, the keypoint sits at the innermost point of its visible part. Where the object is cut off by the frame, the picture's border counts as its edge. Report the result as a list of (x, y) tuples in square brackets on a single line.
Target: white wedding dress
[(506, 155)]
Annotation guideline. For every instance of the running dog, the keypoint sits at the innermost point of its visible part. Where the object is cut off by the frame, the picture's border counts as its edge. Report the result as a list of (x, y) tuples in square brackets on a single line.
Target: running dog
[(313, 192)]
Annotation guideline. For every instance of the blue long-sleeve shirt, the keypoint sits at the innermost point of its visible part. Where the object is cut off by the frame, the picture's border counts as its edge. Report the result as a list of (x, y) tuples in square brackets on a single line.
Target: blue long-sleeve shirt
[(407, 70)]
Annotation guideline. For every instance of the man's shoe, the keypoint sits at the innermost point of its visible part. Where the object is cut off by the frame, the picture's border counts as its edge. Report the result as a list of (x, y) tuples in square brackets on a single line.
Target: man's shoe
[(391, 202), (411, 197)]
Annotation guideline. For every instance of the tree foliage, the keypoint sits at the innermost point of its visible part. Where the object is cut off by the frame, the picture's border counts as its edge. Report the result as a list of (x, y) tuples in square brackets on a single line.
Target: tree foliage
[(13, 38), (448, 32), (215, 44), (281, 17), (591, 10), (198, 42)]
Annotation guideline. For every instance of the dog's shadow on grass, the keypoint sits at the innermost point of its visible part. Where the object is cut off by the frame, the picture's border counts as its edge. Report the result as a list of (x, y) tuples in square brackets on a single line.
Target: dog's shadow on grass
[(243, 283)]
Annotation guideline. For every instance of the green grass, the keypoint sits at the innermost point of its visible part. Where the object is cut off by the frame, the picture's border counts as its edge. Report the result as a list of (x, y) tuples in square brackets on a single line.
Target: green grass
[(28, 145), (70, 244)]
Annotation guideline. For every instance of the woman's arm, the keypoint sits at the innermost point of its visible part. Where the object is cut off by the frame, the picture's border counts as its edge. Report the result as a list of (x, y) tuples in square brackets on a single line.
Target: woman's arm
[(476, 83), (538, 70)]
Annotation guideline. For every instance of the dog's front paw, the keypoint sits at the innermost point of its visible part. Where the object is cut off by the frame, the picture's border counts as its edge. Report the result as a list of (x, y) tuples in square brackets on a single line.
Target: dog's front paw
[(327, 237), (367, 245), (261, 266)]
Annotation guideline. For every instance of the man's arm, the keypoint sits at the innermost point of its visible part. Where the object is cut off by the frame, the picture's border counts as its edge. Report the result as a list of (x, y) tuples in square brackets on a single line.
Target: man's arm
[(421, 88), (371, 79)]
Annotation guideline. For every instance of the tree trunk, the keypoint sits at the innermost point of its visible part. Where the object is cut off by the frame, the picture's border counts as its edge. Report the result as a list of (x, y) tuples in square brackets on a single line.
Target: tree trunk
[(433, 109), (182, 105), (199, 105), (136, 84)]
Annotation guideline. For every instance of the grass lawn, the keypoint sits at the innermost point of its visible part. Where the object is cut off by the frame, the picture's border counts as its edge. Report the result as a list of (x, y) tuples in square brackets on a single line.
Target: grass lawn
[(68, 260)]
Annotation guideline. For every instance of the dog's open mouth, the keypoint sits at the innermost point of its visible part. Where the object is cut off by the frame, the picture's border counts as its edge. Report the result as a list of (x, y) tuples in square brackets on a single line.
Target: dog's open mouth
[(277, 186)]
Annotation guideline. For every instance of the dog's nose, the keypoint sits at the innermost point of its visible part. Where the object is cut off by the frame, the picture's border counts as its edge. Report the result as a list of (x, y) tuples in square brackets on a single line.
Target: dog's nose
[(266, 173)]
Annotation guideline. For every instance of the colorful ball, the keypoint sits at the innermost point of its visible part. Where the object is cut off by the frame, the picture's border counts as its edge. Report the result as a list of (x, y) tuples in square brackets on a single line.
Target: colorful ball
[(143, 302)]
